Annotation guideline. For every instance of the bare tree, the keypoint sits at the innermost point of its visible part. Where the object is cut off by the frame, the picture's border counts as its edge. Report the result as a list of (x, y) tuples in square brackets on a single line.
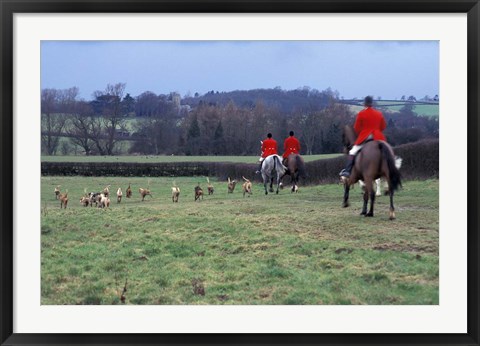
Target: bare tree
[(309, 125), (55, 105), (105, 127), (80, 129)]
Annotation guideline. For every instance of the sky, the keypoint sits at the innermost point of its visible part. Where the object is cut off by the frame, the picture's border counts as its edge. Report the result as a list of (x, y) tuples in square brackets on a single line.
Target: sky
[(386, 69)]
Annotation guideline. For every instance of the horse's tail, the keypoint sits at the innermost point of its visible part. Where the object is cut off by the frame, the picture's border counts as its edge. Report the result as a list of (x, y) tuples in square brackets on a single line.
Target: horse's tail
[(393, 171), (301, 167), (398, 162), (277, 161)]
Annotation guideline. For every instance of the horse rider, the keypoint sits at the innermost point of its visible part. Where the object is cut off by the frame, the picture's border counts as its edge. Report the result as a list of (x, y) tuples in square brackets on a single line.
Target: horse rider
[(291, 145), (369, 126), (269, 147)]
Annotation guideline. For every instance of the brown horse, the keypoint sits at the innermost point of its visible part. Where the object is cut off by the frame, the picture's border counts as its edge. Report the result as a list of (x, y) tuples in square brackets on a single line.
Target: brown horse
[(375, 160), (296, 169)]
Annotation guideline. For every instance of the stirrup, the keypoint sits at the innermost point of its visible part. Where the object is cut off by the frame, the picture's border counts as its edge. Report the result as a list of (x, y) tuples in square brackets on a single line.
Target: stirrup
[(344, 173)]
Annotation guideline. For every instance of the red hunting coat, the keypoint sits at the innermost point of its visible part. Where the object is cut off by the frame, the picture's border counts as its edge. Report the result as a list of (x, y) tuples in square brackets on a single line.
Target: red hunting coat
[(369, 121), (291, 145), (269, 147)]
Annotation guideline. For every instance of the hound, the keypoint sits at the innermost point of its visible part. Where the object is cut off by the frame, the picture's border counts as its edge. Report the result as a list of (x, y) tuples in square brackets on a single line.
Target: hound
[(63, 197), (104, 201), (85, 201), (231, 185), (246, 187), (119, 195), (57, 191), (144, 192), (175, 194), (210, 187), (94, 197), (106, 191), (198, 192)]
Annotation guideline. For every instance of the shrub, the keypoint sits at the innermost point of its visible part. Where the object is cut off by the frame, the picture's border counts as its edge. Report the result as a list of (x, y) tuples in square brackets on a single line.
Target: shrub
[(420, 161)]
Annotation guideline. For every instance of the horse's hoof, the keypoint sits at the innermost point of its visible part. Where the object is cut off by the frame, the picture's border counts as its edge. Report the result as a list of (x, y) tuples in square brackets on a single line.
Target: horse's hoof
[(345, 205), (369, 215), (266, 192), (364, 213)]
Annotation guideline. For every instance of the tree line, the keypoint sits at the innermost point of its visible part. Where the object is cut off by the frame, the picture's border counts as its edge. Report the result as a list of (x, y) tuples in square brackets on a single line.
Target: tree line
[(234, 123)]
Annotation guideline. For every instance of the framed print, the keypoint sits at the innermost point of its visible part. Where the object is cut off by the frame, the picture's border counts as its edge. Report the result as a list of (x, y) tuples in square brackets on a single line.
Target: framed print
[(135, 209)]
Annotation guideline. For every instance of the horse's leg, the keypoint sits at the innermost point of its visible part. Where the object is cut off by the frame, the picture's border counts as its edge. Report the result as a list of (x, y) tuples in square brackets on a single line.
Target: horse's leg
[(379, 187), (392, 208), (278, 183), (265, 183), (371, 192), (346, 191), (271, 184), (365, 202), (367, 192)]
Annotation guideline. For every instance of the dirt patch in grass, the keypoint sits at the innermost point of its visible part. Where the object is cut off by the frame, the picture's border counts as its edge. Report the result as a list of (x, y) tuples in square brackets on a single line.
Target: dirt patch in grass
[(198, 287), (405, 248)]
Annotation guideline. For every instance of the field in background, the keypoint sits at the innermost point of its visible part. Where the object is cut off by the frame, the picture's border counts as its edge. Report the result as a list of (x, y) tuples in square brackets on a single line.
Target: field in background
[(152, 158), (422, 109), (277, 249)]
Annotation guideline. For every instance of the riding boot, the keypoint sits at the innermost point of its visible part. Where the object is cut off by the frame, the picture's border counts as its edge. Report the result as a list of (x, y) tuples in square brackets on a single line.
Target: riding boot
[(285, 163), (259, 168), (348, 169)]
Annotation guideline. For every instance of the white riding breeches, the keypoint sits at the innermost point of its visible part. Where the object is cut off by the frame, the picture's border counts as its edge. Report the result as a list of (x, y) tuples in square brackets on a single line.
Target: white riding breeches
[(356, 148)]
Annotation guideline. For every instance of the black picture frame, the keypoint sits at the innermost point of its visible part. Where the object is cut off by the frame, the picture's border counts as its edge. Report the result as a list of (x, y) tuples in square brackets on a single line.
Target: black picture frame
[(10, 7)]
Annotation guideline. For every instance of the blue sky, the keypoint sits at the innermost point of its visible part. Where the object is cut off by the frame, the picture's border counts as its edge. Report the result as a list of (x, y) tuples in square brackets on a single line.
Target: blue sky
[(388, 69)]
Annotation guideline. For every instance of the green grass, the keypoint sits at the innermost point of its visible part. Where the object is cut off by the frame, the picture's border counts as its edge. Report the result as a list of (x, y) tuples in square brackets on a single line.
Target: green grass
[(152, 158), (277, 249), (428, 110), (421, 110)]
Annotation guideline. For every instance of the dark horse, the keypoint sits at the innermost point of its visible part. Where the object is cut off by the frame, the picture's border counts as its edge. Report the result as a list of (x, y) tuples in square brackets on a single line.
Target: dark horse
[(295, 169), (375, 160)]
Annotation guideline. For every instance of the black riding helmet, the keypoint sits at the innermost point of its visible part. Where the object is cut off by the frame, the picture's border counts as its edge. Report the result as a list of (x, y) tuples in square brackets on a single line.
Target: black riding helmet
[(368, 102)]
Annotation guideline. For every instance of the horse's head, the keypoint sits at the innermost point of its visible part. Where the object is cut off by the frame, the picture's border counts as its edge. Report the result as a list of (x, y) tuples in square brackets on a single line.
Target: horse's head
[(348, 137)]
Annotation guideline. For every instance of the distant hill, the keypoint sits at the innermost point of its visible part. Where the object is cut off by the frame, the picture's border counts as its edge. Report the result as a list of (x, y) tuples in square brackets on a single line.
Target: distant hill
[(286, 101)]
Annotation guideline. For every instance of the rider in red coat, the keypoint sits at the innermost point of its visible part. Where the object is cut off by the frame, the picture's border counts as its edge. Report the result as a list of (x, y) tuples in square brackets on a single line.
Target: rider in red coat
[(369, 122), (291, 145), (369, 126), (269, 147)]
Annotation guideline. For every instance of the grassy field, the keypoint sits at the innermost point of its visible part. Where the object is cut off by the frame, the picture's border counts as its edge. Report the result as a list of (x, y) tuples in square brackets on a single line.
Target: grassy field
[(277, 249), (421, 110), (152, 158), (428, 110)]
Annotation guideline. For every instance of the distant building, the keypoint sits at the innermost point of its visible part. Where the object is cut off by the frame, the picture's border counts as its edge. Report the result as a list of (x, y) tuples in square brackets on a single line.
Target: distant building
[(176, 98)]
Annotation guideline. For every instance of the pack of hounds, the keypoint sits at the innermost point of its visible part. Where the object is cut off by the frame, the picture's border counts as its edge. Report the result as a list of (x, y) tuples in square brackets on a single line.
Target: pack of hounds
[(101, 199)]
